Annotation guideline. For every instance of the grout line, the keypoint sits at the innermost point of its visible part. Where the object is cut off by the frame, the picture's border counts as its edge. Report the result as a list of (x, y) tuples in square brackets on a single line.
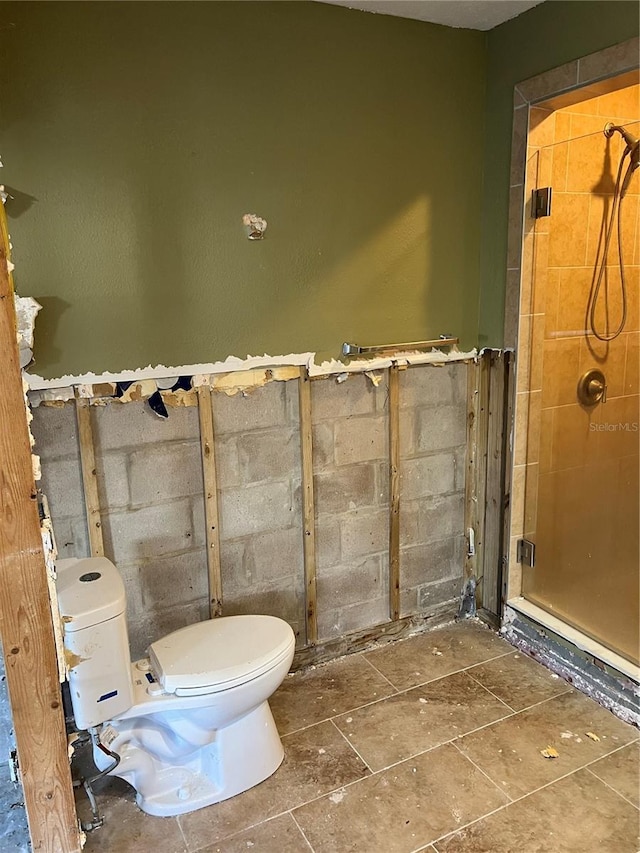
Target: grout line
[(366, 763), (611, 788), (293, 817), (184, 837), (486, 775), (495, 695), (380, 673)]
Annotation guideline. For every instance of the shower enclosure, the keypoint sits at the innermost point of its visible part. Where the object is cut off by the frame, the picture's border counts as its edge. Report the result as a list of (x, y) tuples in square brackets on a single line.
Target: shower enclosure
[(580, 279)]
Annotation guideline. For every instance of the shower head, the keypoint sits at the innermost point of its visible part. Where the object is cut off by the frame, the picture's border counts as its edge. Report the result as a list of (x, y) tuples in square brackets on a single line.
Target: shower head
[(632, 149)]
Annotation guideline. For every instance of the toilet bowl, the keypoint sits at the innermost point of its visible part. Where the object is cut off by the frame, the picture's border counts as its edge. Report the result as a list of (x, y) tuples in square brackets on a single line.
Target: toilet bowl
[(190, 723)]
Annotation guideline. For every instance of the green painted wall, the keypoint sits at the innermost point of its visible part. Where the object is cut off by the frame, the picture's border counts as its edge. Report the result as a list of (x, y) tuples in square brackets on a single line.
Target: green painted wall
[(548, 35), (136, 135)]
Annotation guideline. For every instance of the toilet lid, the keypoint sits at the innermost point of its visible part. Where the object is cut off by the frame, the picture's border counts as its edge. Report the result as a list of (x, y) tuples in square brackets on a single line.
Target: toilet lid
[(219, 653)]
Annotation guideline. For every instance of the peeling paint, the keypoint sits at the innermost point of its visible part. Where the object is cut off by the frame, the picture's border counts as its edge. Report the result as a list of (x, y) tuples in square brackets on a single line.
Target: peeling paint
[(72, 659), (246, 381)]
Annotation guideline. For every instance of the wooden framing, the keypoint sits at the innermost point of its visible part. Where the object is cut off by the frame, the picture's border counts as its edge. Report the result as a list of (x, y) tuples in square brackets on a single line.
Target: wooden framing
[(89, 475), (211, 514), (394, 493), (308, 508), (25, 615)]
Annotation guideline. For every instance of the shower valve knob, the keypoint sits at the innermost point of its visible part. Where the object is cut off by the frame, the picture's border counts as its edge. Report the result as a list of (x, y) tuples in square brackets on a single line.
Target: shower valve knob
[(592, 388)]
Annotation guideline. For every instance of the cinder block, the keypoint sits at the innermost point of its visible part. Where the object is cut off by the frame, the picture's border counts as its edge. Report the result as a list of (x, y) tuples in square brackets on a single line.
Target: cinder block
[(323, 445), (263, 408), (276, 554), (144, 632), (173, 581), (349, 487), (255, 509), (269, 455), (113, 481), (460, 461), (344, 620), (422, 564), (327, 542), (350, 584), (148, 532), (428, 385), (364, 532), (332, 399), (438, 593), (235, 572), (407, 421), (431, 519), (427, 476), (383, 487), (409, 602), (282, 599), (164, 472), (441, 427), (227, 464), (72, 537), (62, 484), (129, 425), (360, 440), (55, 431), (292, 396)]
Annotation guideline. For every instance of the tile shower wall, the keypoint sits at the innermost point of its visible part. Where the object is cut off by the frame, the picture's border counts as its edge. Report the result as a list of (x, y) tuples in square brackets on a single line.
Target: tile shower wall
[(569, 451), (150, 486)]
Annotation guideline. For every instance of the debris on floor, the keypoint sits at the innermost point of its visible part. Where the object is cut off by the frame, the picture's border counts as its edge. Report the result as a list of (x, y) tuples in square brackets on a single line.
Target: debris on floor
[(550, 752)]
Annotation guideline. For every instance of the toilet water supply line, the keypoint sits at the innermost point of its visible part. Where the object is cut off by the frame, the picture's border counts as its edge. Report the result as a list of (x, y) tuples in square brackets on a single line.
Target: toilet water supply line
[(87, 784)]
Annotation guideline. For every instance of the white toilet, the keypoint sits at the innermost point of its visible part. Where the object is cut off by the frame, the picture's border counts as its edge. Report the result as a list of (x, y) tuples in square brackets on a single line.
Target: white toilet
[(191, 723)]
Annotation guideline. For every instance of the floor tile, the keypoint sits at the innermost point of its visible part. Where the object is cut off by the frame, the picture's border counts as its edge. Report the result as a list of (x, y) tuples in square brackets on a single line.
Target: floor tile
[(317, 760), (510, 751), (332, 688), (400, 809), (519, 681), (280, 835), (125, 827), (621, 771), (574, 815), (408, 663), (406, 724)]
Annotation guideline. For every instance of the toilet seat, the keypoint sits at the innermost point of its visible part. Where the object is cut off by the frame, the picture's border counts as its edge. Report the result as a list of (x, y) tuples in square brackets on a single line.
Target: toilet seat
[(218, 654)]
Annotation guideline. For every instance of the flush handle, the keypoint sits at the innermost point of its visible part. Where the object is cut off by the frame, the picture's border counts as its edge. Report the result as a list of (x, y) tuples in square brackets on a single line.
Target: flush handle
[(592, 388)]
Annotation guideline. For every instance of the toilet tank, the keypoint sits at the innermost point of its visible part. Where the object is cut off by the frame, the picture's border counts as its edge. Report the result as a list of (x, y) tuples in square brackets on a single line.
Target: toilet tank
[(92, 603)]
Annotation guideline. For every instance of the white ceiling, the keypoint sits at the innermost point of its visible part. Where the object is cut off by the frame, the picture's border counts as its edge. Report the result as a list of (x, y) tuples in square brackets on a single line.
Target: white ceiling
[(471, 14)]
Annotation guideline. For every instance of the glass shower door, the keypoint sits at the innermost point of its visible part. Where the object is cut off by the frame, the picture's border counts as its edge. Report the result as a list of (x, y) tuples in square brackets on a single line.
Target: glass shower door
[(582, 497)]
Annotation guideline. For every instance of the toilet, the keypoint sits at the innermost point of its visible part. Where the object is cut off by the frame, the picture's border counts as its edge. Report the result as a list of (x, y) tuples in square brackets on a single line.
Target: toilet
[(191, 722)]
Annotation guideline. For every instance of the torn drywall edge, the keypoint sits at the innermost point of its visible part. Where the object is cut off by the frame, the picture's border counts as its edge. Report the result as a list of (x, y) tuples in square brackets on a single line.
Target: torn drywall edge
[(235, 364)]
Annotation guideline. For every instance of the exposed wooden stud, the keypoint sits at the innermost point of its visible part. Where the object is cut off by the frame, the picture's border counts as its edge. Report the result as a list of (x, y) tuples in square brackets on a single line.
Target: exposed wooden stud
[(360, 641), (507, 443), (89, 475), (308, 508), (494, 489), (472, 509), (481, 463), (394, 492), (26, 627), (211, 513)]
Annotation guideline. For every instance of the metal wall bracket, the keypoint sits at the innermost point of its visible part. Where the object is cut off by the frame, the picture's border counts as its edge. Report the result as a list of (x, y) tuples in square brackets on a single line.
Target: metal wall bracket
[(541, 202), (526, 552)]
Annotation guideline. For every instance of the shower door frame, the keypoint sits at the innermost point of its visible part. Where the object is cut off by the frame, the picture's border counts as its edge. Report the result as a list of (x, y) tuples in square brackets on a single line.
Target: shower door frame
[(519, 330)]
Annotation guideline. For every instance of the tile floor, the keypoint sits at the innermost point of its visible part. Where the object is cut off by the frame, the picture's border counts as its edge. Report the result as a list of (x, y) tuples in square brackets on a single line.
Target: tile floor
[(428, 744)]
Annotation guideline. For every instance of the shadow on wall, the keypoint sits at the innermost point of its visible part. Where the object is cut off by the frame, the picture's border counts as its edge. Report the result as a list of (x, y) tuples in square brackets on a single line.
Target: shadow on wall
[(158, 127)]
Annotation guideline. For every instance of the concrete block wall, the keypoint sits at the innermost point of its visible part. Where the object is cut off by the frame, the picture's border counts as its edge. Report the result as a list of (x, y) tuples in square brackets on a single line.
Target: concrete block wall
[(151, 494)]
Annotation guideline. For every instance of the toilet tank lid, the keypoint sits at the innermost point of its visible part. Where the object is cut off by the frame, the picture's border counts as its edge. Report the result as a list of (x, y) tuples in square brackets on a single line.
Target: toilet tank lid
[(90, 591), (218, 652)]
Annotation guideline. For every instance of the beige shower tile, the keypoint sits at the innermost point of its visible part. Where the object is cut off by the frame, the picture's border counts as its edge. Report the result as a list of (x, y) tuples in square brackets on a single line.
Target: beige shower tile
[(599, 219), (574, 284), (621, 102), (611, 60), (552, 301), (518, 147), (574, 436), (510, 751), (632, 368), (586, 172), (633, 292), (514, 578), (545, 178), (523, 364), (561, 366), (518, 680), (531, 499), (518, 490), (546, 440), (527, 435), (332, 688), (619, 435), (568, 235), (417, 720), (515, 223), (521, 421), (563, 128), (572, 815), (621, 771), (587, 106), (511, 308), (542, 125), (316, 761), (401, 809), (537, 352), (609, 357), (434, 654), (559, 167)]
